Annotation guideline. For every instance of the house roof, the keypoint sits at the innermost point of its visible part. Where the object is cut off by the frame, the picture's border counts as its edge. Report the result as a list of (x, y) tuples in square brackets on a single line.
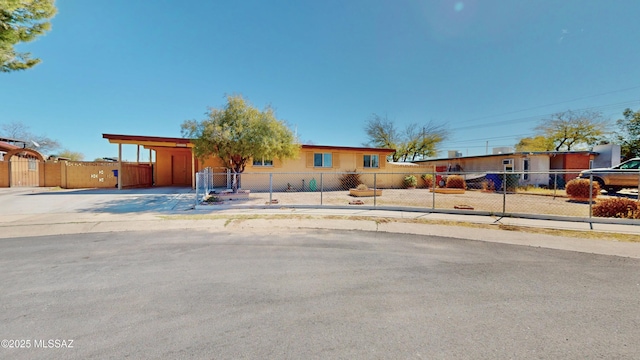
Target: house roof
[(184, 142), (515, 153), (348, 148), (7, 147)]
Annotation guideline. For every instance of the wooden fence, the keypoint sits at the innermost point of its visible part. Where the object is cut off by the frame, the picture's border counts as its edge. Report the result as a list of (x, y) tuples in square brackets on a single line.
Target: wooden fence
[(83, 174)]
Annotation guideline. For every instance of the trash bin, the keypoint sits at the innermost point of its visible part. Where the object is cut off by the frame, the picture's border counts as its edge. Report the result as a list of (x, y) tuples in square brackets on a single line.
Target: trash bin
[(115, 174)]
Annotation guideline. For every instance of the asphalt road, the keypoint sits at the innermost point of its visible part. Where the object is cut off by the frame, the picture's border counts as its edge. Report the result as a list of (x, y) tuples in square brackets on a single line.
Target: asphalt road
[(311, 295)]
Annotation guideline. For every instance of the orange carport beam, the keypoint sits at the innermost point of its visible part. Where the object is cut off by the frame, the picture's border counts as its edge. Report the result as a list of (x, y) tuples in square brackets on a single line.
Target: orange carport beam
[(147, 141)]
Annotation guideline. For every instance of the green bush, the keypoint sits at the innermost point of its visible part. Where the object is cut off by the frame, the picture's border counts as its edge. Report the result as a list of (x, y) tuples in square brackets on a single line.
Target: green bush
[(455, 182), (428, 180), (579, 189), (617, 208), (410, 181)]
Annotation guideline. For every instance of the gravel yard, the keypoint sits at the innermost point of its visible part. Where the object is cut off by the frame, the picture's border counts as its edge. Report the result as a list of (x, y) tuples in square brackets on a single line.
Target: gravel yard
[(423, 198)]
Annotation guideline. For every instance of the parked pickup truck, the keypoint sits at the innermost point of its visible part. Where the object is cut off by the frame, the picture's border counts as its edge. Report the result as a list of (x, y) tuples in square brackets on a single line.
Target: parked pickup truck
[(614, 179)]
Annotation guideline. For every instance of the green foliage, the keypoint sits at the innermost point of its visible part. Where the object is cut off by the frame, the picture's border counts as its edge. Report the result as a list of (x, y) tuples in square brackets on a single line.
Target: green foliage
[(71, 155), (238, 133), (579, 189), (617, 208), (22, 21), (455, 182), (428, 180), (570, 129), (629, 134), (410, 181), (536, 143), (414, 143), (350, 180)]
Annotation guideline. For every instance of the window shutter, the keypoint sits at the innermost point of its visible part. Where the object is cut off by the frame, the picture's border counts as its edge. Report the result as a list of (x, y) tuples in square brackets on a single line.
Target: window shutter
[(336, 160), (383, 160), (310, 159), (359, 161)]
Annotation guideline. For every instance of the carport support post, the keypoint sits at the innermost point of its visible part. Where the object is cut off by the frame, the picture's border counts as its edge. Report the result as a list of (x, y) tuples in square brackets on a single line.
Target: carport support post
[(119, 178)]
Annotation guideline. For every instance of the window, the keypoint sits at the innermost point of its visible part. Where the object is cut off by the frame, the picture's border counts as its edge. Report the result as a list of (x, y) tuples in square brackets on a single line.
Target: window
[(525, 169), (632, 164), (507, 164), (33, 164), (262, 162), (322, 160), (371, 161)]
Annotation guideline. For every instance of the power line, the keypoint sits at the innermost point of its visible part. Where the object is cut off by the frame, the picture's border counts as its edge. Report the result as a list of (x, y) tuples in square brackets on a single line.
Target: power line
[(537, 117), (552, 104)]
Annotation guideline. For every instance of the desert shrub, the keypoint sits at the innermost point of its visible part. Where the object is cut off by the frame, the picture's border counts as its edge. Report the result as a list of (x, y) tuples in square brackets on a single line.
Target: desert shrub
[(455, 182), (617, 208), (428, 180), (350, 180), (579, 189), (410, 181), (488, 185), (362, 187)]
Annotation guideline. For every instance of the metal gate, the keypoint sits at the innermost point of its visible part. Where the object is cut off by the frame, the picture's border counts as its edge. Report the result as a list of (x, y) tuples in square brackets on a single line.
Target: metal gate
[(24, 170)]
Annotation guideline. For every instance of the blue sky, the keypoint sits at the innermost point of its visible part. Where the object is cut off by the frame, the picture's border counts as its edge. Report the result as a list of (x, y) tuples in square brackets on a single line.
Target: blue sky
[(489, 70)]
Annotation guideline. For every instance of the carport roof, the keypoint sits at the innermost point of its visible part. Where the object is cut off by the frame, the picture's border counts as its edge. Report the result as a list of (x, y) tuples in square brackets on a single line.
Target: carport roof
[(148, 140)]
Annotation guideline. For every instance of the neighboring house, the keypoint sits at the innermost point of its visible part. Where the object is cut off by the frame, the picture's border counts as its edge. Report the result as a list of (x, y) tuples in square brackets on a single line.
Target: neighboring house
[(5, 148), (19, 166), (533, 167), (175, 163)]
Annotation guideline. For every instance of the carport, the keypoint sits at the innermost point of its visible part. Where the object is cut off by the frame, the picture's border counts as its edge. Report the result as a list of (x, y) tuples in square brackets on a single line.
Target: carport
[(174, 161)]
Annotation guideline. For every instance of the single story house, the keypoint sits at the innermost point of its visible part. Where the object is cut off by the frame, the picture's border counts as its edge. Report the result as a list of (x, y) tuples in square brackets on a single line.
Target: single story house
[(175, 164), (533, 167)]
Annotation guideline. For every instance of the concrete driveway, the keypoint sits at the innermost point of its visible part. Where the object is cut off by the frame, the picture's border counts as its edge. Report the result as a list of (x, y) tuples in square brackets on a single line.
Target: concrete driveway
[(55, 200)]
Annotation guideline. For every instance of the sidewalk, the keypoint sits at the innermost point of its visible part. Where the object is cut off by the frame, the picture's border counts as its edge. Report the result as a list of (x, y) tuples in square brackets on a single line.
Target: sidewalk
[(73, 212)]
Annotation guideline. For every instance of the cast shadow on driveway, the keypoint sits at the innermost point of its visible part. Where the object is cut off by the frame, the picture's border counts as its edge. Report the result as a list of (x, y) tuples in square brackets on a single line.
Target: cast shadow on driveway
[(142, 200)]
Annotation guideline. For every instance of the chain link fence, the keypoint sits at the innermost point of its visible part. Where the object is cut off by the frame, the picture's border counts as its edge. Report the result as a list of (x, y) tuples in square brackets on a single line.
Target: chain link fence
[(516, 194)]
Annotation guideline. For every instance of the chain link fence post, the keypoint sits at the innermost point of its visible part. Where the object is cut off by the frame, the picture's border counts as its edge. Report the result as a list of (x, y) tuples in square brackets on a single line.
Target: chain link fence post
[(375, 187), (321, 188), (434, 180), (590, 195), (270, 188), (504, 193)]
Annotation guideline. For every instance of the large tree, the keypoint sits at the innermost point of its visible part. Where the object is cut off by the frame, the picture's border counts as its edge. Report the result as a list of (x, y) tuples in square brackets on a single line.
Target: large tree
[(628, 135), (239, 132), (19, 131), (414, 142), (570, 130), (22, 21), (536, 143)]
